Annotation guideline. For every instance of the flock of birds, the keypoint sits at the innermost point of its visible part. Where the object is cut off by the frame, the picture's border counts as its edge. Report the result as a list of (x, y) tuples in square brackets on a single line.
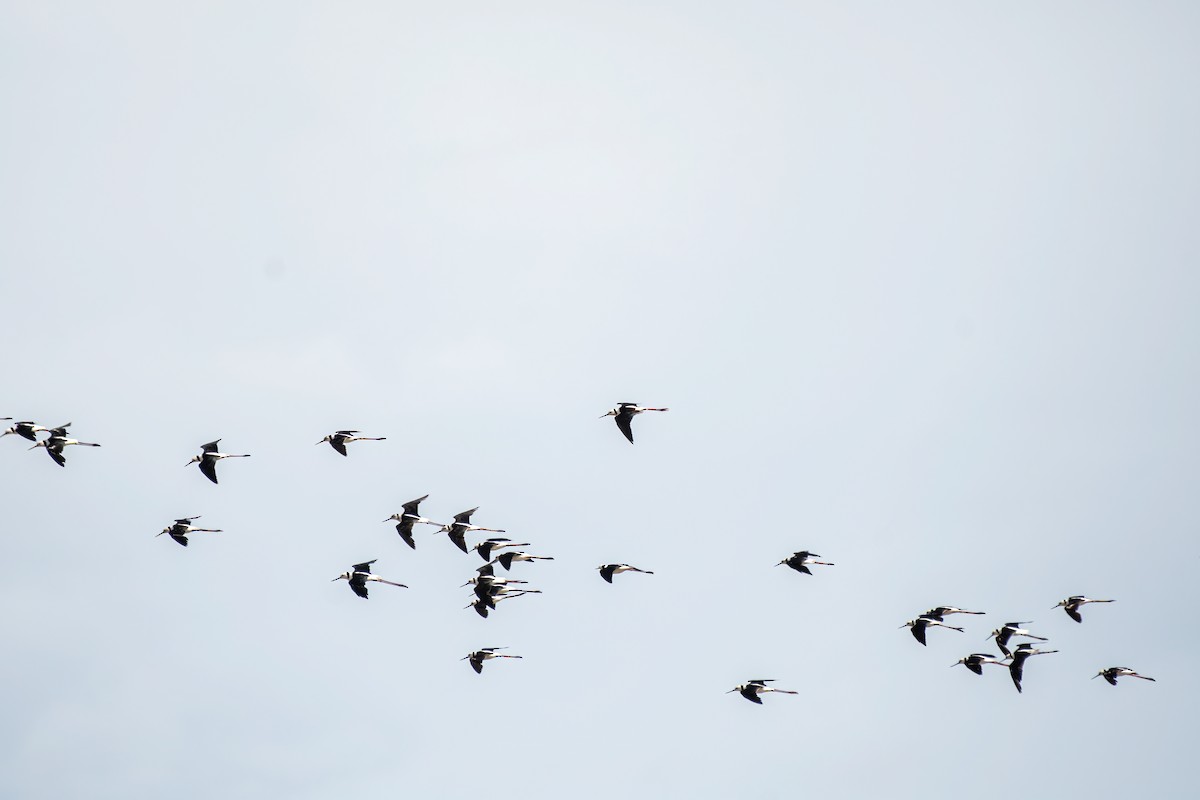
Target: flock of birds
[(488, 590)]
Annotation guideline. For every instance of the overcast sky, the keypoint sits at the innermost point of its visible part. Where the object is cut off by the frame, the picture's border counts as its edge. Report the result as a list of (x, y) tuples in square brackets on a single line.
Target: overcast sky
[(917, 281)]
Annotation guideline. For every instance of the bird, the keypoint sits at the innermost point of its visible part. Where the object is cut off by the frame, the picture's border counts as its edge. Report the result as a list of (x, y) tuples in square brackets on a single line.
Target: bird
[(461, 526), (1073, 603), (1016, 667), (917, 626), (506, 559), (182, 527), (752, 689), (624, 413), (975, 662), (941, 612), (359, 574), (800, 558), (56, 441), (483, 654), (608, 570), (28, 429), (481, 605), (486, 547), (489, 592), (409, 517), (340, 439), (209, 457), (1009, 630), (1112, 673)]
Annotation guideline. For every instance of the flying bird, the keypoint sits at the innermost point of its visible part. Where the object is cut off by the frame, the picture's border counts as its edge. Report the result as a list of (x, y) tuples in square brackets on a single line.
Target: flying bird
[(975, 662), (1112, 673), (359, 574), (209, 457), (608, 570), (340, 439), (918, 626), (409, 517), (506, 559), (752, 689), (800, 559), (481, 604), (624, 413), (57, 441), (461, 526), (483, 654), (29, 430), (1009, 630), (1073, 603), (182, 527), (486, 547), (943, 611), (1016, 667)]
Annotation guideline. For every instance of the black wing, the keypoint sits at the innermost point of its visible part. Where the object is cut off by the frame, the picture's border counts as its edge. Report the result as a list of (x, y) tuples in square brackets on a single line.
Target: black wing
[(751, 695), (1073, 613), (211, 447), (364, 567), (58, 456), (477, 661), (405, 531), (208, 466), (179, 537), (918, 632), (411, 506), (606, 572), (1017, 671), (459, 537), (338, 444), (625, 422), (464, 517), (506, 560), (974, 666), (359, 584)]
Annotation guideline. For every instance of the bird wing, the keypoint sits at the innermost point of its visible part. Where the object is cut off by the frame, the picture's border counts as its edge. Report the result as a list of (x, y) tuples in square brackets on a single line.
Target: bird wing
[(208, 466), (338, 444), (411, 506), (58, 456), (459, 537), (345, 433), (750, 694), (1073, 613), (364, 567), (918, 632), (405, 532), (464, 517), (506, 560), (606, 572), (624, 421), (179, 537), (211, 447), (477, 661), (359, 584), (974, 666)]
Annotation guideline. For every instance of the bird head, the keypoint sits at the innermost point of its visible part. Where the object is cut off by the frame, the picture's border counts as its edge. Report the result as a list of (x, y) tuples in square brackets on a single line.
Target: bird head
[(195, 459), (345, 576), (611, 413)]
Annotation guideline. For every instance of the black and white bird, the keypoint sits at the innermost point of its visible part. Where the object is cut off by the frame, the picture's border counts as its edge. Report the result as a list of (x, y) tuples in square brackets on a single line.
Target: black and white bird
[(752, 689), (340, 439), (608, 570), (941, 612), (1073, 603), (800, 559), (484, 654), (482, 604), (488, 546), (919, 625), (461, 526), (360, 574), (406, 519), (1112, 673), (506, 559), (57, 441), (209, 457), (182, 527), (1009, 630), (30, 430), (1016, 667), (624, 413), (975, 662)]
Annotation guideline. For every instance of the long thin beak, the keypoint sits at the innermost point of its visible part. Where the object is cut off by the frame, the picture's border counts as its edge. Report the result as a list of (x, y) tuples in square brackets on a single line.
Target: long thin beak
[(731, 691), (320, 442), (1097, 675), (160, 533)]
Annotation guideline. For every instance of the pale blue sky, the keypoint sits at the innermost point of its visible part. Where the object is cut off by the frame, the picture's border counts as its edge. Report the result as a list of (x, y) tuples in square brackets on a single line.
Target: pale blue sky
[(917, 281)]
